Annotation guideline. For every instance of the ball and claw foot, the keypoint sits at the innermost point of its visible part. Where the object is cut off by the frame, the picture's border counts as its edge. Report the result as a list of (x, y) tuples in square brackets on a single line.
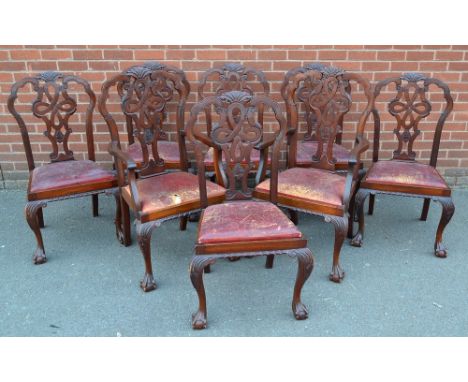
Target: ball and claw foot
[(300, 311), (357, 240), (39, 257), (337, 274), (148, 284), (440, 251), (199, 320)]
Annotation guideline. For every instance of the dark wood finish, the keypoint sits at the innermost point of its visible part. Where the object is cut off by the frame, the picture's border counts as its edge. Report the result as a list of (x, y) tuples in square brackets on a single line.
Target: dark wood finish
[(230, 77), (236, 133), (56, 102), (152, 88), (144, 92), (310, 116), (325, 92), (410, 106)]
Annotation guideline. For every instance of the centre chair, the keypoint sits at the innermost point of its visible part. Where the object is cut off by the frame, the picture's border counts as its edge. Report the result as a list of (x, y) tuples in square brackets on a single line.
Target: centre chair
[(61, 103), (172, 153), (420, 102), (319, 189), (231, 76), (241, 226), (153, 193)]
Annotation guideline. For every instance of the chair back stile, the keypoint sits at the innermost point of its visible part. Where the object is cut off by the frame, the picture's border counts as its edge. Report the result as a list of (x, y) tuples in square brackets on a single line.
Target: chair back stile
[(409, 107), (235, 134), (54, 105)]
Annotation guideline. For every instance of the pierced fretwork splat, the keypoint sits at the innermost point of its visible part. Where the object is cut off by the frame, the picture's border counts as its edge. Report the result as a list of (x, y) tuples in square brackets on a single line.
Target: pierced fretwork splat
[(234, 136), (54, 105), (145, 92), (325, 94), (409, 107)]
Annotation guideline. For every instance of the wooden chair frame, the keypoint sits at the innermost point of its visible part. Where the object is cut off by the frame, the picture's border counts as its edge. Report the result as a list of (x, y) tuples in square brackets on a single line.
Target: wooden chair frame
[(324, 159), (150, 165), (404, 83), (128, 171), (54, 105), (231, 137)]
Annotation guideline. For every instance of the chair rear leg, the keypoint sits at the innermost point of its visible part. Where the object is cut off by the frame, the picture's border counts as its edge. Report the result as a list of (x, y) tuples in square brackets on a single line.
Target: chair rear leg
[(371, 204), (126, 226), (425, 210), (144, 231), (95, 199), (359, 200), (294, 216), (341, 228), (40, 216), (448, 210), (351, 218), (269, 261), (31, 211), (183, 223)]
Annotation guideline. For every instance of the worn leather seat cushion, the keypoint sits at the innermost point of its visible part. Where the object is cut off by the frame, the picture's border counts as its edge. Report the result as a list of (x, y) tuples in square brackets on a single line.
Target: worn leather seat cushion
[(310, 185), (68, 177), (410, 175), (161, 195), (244, 221)]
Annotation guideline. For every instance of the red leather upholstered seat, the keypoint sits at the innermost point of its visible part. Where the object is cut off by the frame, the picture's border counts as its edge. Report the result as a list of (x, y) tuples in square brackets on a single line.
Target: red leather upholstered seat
[(308, 187), (170, 193), (244, 221), (305, 150), (167, 150), (67, 178), (255, 158), (405, 176)]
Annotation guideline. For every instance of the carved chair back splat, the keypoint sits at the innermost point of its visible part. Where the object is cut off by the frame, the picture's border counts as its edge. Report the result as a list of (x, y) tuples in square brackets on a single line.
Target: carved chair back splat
[(300, 151), (54, 105), (231, 77), (241, 227), (58, 103), (145, 91), (409, 107), (236, 134), (403, 174)]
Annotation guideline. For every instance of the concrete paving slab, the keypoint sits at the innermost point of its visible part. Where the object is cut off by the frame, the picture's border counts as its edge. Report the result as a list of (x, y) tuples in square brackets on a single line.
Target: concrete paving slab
[(394, 285)]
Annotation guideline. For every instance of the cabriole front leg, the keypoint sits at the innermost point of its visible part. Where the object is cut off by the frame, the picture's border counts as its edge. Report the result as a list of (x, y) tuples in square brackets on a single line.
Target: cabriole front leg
[(448, 209), (144, 231), (305, 266), (341, 228), (198, 264), (359, 200), (32, 210)]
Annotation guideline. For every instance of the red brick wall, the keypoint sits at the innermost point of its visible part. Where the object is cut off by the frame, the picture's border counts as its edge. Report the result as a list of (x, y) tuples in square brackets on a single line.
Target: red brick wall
[(98, 63)]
